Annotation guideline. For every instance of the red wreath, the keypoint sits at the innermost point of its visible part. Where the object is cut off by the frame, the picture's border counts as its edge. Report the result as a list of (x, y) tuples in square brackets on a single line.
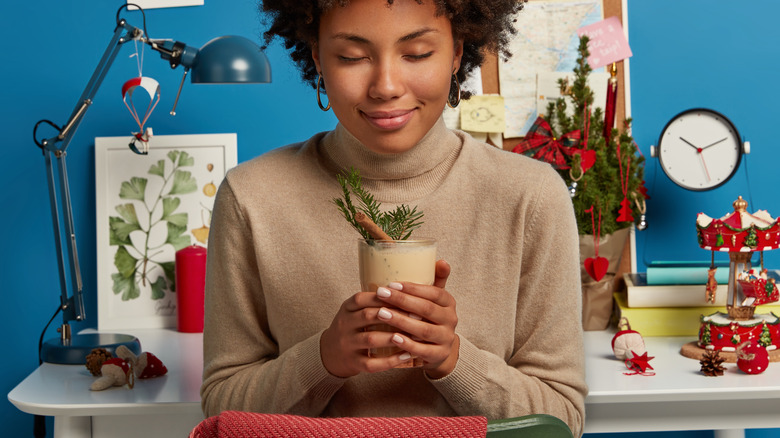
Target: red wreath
[(540, 143)]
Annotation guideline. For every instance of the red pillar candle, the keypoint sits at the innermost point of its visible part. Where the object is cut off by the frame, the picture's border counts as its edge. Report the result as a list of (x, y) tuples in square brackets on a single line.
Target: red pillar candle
[(190, 286)]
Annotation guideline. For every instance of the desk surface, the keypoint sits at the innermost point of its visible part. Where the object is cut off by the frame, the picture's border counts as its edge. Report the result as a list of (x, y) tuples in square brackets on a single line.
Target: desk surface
[(677, 397)]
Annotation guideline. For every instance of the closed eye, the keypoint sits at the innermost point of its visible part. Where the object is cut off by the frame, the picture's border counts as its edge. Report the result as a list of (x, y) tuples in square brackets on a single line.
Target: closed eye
[(419, 57), (348, 59)]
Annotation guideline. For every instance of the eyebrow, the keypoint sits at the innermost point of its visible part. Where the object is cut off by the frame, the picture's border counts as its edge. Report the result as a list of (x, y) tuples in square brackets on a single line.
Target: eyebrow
[(359, 39)]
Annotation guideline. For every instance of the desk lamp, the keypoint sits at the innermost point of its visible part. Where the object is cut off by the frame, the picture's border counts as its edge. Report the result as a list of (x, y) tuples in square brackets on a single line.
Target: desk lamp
[(228, 59)]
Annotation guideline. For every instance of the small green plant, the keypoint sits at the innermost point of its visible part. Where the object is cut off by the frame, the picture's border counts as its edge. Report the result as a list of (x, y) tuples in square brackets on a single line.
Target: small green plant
[(398, 223), (135, 257)]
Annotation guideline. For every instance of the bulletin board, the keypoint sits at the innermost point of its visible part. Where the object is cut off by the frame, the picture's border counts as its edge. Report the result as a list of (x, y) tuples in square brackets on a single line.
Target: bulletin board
[(490, 85), (490, 81)]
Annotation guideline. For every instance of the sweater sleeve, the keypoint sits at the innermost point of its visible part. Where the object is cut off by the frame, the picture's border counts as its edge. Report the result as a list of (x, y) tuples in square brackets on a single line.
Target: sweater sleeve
[(243, 369), (546, 371)]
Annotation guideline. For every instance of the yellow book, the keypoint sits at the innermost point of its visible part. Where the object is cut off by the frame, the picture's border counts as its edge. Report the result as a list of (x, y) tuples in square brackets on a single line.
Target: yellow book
[(670, 321)]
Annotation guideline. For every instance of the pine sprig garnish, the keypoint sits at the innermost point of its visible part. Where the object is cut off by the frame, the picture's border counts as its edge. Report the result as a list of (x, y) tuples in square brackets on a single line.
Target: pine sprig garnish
[(398, 223)]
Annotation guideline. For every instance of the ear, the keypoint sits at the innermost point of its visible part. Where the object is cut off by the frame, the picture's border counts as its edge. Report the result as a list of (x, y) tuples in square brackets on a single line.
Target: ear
[(458, 55), (315, 56)]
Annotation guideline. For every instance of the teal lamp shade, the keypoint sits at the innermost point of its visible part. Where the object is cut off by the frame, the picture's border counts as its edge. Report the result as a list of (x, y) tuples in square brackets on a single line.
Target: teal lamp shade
[(231, 59)]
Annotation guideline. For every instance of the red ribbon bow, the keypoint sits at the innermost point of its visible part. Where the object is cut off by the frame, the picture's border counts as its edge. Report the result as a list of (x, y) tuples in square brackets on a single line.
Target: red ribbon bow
[(541, 144)]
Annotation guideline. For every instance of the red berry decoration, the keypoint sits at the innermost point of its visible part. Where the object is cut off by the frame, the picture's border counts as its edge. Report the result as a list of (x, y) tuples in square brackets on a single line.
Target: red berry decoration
[(752, 358)]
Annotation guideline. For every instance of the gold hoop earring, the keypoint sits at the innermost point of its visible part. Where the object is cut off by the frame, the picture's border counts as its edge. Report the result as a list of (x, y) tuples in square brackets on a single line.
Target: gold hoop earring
[(450, 102), (319, 102)]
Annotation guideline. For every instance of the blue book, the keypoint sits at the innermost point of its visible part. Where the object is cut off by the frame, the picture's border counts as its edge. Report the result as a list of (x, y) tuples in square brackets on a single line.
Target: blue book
[(685, 272)]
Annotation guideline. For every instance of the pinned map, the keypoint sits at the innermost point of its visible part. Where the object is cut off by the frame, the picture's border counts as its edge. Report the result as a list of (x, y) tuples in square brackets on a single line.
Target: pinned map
[(546, 41)]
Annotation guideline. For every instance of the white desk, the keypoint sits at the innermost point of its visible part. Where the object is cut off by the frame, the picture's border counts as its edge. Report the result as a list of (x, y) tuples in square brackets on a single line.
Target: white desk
[(678, 397)]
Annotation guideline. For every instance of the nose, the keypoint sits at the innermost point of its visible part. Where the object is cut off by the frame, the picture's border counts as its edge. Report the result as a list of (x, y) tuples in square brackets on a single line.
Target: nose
[(386, 81)]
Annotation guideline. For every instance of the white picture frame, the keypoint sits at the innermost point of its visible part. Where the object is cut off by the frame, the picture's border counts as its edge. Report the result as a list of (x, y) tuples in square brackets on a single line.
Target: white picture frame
[(152, 4), (148, 207)]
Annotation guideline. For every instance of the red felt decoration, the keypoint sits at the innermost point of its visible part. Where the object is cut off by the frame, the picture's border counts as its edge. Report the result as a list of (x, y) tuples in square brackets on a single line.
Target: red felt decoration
[(609, 108), (596, 266), (540, 143), (752, 358), (638, 364)]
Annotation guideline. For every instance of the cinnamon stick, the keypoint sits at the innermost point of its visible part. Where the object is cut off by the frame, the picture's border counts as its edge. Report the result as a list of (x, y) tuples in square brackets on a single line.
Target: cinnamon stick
[(373, 229)]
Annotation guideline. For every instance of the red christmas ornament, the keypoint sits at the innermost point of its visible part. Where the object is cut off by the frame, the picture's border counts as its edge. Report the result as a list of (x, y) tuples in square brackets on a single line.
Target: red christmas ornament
[(752, 358), (148, 366), (624, 215), (596, 267), (626, 342), (541, 144), (638, 363)]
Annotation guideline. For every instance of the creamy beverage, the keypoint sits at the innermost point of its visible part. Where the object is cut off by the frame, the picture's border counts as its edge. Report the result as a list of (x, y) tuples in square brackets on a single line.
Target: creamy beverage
[(382, 262)]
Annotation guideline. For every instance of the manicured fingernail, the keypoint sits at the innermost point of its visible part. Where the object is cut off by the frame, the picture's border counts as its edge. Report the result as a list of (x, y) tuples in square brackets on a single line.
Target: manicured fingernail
[(383, 292), (415, 316), (404, 357), (398, 339), (384, 314), (395, 285)]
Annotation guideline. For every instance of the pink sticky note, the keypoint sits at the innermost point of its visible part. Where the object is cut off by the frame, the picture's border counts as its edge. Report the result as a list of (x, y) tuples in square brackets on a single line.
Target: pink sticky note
[(607, 42)]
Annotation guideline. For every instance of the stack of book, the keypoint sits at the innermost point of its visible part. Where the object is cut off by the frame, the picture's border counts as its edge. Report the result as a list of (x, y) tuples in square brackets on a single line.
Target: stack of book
[(673, 309)]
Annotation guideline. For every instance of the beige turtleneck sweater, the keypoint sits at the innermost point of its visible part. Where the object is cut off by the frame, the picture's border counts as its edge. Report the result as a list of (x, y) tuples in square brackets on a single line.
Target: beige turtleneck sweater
[(282, 260)]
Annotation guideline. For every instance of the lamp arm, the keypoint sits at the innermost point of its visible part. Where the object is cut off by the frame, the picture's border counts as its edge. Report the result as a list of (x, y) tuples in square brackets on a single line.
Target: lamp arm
[(71, 298)]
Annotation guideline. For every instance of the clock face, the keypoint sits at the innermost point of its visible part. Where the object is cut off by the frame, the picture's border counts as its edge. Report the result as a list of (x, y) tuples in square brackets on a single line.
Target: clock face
[(699, 149)]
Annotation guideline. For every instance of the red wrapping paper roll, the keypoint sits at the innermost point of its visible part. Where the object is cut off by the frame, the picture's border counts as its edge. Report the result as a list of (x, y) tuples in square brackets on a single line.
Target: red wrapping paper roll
[(190, 287)]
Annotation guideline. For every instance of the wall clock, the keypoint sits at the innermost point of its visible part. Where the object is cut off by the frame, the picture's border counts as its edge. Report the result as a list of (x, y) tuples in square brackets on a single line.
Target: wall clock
[(699, 149)]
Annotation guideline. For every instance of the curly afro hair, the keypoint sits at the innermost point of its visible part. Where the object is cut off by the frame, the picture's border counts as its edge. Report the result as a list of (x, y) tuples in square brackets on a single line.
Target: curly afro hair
[(483, 25)]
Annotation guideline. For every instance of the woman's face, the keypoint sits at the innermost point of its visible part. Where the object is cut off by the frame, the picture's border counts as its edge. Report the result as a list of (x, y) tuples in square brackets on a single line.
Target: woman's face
[(387, 69)]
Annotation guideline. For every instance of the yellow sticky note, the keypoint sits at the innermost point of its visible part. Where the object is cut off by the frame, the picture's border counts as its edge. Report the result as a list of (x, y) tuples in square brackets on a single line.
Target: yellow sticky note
[(483, 113)]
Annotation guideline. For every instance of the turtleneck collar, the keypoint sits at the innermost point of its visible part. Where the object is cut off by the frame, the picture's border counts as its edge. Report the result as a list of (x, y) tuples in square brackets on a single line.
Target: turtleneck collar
[(396, 177)]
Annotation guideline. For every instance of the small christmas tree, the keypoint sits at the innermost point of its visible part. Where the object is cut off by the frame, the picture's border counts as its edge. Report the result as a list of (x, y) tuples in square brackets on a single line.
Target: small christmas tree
[(613, 185), (765, 339)]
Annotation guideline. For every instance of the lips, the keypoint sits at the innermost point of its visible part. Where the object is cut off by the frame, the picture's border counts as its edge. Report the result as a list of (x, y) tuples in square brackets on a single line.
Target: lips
[(389, 120)]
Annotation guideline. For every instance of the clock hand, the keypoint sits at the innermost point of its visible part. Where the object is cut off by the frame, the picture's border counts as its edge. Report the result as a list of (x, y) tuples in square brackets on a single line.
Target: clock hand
[(713, 144), (691, 144), (707, 172)]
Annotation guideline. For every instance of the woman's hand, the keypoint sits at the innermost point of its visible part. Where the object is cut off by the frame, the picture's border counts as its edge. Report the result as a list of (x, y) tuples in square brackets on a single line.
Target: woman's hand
[(427, 317), (344, 345)]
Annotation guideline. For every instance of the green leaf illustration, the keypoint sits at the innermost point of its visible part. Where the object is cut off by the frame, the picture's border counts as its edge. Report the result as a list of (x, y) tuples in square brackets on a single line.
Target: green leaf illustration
[(185, 160), (125, 286), (183, 183), (134, 189), (169, 268), (158, 169), (119, 231), (158, 288), (131, 272), (127, 211), (169, 206), (125, 263), (176, 236)]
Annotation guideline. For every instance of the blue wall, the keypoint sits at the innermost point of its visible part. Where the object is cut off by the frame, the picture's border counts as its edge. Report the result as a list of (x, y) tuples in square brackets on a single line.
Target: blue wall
[(686, 54)]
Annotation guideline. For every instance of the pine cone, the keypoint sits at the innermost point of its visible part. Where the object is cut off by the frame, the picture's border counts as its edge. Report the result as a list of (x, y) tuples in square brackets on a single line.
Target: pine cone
[(96, 358), (711, 363)]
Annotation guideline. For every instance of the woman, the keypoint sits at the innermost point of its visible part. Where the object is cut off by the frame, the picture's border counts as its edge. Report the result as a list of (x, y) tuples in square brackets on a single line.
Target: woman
[(500, 334)]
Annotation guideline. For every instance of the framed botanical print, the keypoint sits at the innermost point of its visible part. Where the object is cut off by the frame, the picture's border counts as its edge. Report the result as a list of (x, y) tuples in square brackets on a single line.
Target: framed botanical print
[(148, 208)]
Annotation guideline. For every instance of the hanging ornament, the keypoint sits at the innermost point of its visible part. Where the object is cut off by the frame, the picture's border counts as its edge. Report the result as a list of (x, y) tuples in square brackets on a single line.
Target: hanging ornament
[(596, 266), (641, 225), (712, 284), (609, 108), (541, 144), (624, 214), (152, 88)]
